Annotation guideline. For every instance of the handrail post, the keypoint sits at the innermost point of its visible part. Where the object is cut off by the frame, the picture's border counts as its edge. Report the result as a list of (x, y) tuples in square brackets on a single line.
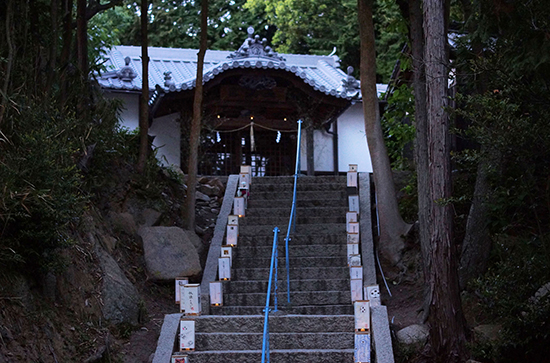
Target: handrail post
[(265, 345), (293, 209)]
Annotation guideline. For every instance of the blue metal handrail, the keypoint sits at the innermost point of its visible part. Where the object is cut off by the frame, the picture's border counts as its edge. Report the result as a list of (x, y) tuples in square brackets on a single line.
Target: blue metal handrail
[(272, 275), (292, 218)]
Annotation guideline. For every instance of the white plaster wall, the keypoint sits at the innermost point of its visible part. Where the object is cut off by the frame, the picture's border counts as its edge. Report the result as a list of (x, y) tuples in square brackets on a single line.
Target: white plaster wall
[(129, 116), (352, 140), (166, 130)]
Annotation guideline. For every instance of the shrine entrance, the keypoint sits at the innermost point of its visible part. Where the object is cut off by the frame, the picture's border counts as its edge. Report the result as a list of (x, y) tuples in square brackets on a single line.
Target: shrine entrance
[(269, 153)]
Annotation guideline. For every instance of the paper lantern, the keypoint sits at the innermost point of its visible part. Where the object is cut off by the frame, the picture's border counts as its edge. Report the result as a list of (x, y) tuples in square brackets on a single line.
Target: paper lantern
[(227, 251), (232, 235), (216, 293), (246, 169), (180, 281), (244, 180), (352, 179), (356, 272), (353, 201), (190, 302), (361, 310), (179, 358), (372, 293), (353, 227), (233, 220), (353, 237), (354, 260), (356, 286), (238, 206), (224, 269), (351, 217), (362, 348), (353, 249), (187, 334), (352, 167)]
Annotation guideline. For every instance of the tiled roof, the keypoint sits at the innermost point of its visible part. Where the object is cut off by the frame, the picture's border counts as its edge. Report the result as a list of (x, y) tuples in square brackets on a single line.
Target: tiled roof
[(173, 69)]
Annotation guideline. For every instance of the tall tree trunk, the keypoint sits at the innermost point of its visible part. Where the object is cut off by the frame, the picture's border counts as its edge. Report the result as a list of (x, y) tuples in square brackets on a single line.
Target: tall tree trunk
[(194, 137), (52, 72), (82, 38), (446, 321), (392, 226), (11, 56), (143, 101), (66, 48), (421, 145)]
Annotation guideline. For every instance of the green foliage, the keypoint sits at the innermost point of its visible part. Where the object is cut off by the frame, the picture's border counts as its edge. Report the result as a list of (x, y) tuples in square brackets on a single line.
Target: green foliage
[(508, 295), (398, 126), (317, 26), (41, 197)]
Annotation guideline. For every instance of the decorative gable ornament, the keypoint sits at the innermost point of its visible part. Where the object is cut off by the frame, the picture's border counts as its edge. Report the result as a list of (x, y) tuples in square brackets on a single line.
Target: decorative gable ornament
[(126, 73), (351, 85), (253, 47)]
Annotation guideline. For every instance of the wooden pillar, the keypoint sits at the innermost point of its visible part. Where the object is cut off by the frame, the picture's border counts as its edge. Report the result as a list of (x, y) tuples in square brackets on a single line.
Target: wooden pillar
[(310, 148)]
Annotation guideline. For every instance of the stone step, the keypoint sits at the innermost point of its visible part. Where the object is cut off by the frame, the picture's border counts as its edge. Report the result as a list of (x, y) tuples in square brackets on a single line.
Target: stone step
[(300, 310), (326, 202), (299, 298), (253, 252), (277, 323), (276, 356), (262, 241), (255, 274), (302, 179), (301, 219), (247, 341), (307, 229), (232, 287), (285, 212), (301, 186), (331, 261), (328, 195)]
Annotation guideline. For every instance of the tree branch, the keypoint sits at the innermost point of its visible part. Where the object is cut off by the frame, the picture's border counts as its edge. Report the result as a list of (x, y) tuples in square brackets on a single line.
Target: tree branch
[(96, 7)]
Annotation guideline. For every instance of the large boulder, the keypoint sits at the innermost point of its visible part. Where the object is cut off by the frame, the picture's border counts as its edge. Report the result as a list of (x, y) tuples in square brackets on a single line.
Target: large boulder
[(413, 334), (120, 298), (169, 252)]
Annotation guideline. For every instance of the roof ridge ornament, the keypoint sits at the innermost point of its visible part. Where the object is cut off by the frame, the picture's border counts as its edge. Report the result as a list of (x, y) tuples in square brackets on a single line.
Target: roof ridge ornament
[(350, 84), (126, 73), (254, 47)]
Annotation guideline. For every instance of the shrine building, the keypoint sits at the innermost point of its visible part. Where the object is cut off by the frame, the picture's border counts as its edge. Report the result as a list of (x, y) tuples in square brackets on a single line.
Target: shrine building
[(253, 98)]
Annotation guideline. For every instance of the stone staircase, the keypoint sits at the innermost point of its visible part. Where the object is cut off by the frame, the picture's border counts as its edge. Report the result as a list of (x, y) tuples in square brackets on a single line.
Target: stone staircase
[(318, 325)]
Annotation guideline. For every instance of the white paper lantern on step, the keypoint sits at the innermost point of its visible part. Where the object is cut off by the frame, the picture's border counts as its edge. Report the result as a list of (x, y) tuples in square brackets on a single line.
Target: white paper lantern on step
[(353, 249), (191, 299), (353, 201), (353, 227), (362, 348), (233, 220), (372, 293), (361, 310), (227, 251), (179, 358), (224, 269), (352, 179), (356, 286), (353, 237), (352, 167), (216, 293), (354, 260), (238, 206), (187, 334), (356, 272), (232, 235), (180, 281)]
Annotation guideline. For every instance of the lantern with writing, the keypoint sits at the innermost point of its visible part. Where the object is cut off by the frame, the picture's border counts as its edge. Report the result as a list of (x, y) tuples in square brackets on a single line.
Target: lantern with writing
[(238, 206), (362, 348), (232, 235), (361, 310), (187, 334), (353, 201), (356, 286), (216, 293), (191, 299), (224, 268), (180, 281)]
